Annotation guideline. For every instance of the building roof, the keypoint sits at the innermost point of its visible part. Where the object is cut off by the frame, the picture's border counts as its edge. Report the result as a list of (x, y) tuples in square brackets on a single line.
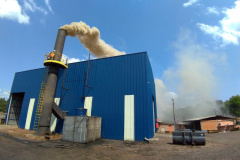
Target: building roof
[(208, 118), (172, 123), (94, 59), (184, 123)]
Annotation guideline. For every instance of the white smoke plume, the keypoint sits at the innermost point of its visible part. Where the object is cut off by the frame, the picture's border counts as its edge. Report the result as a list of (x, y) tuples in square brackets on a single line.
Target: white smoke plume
[(90, 38), (193, 78), (164, 104)]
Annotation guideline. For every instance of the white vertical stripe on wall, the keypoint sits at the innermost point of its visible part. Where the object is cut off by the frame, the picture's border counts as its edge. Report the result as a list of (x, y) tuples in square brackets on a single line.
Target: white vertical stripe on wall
[(88, 105), (129, 118), (53, 122), (29, 113), (9, 107)]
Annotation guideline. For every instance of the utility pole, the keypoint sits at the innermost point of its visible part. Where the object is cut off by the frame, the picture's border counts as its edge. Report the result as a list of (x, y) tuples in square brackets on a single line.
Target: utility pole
[(175, 127)]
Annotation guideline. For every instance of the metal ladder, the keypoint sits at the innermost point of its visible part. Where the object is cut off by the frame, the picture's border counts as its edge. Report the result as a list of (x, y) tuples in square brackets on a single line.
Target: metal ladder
[(40, 99)]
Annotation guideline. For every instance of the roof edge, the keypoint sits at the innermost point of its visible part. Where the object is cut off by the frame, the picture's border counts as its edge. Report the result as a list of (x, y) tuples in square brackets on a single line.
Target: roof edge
[(144, 52)]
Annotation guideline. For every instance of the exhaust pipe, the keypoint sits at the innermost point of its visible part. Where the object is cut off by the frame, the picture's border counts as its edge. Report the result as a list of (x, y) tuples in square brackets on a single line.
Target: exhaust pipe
[(45, 119)]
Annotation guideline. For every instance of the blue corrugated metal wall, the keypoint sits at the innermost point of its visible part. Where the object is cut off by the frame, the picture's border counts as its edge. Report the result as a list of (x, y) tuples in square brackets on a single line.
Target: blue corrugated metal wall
[(151, 97), (110, 79), (28, 82)]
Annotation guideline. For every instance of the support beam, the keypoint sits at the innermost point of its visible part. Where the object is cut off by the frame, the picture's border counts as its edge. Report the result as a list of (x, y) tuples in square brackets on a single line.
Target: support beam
[(58, 112)]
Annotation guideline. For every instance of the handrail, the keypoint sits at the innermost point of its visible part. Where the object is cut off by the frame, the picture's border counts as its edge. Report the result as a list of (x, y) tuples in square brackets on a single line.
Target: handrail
[(49, 59)]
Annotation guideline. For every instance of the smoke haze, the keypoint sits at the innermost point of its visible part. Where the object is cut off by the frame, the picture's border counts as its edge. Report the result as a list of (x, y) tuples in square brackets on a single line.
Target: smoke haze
[(193, 79), (90, 38)]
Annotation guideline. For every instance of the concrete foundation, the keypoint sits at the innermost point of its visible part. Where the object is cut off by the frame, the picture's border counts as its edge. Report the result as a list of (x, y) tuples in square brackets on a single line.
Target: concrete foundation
[(81, 129)]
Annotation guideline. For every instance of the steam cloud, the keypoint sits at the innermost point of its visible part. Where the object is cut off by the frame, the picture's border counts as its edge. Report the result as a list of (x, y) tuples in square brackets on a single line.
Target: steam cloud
[(90, 38), (193, 78)]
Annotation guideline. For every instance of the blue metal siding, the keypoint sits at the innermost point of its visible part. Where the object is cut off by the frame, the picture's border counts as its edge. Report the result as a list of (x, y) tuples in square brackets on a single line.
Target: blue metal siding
[(110, 79), (150, 95), (28, 82)]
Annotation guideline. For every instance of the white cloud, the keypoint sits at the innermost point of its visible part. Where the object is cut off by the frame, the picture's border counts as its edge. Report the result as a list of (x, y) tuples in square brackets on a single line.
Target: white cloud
[(32, 6), (73, 60), (48, 5), (212, 10), (218, 33), (189, 3), (4, 94), (209, 29), (229, 27), (231, 22), (10, 9), (27, 6)]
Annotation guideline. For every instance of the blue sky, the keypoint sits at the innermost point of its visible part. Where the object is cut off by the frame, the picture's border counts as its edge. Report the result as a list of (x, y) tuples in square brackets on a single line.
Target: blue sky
[(193, 45)]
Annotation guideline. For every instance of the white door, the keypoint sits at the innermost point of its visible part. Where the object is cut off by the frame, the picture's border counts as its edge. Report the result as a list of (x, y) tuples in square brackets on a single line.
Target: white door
[(129, 118), (88, 105)]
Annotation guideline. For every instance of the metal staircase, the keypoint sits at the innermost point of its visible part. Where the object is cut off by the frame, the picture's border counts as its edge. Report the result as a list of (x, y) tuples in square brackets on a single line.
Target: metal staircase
[(40, 99)]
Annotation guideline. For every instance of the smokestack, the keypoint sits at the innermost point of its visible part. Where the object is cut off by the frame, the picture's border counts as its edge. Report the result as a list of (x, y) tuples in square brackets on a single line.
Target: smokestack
[(44, 123), (59, 44)]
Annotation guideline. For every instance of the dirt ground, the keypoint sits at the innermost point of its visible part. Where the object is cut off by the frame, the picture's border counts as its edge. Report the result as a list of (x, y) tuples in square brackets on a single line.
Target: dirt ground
[(15, 145)]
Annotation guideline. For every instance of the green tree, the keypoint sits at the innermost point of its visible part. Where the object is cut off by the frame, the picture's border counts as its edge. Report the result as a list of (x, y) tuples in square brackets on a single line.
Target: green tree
[(226, 104), (3, 104), (233, 104)]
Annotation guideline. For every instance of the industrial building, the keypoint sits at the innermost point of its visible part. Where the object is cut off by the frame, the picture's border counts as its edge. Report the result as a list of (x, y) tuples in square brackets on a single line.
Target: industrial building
[(166, 127), (119, 89), (216, 122)]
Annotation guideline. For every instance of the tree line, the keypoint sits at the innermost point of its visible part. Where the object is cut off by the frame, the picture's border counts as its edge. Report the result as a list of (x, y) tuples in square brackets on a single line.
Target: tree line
[(3, 105), (233, 105)]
